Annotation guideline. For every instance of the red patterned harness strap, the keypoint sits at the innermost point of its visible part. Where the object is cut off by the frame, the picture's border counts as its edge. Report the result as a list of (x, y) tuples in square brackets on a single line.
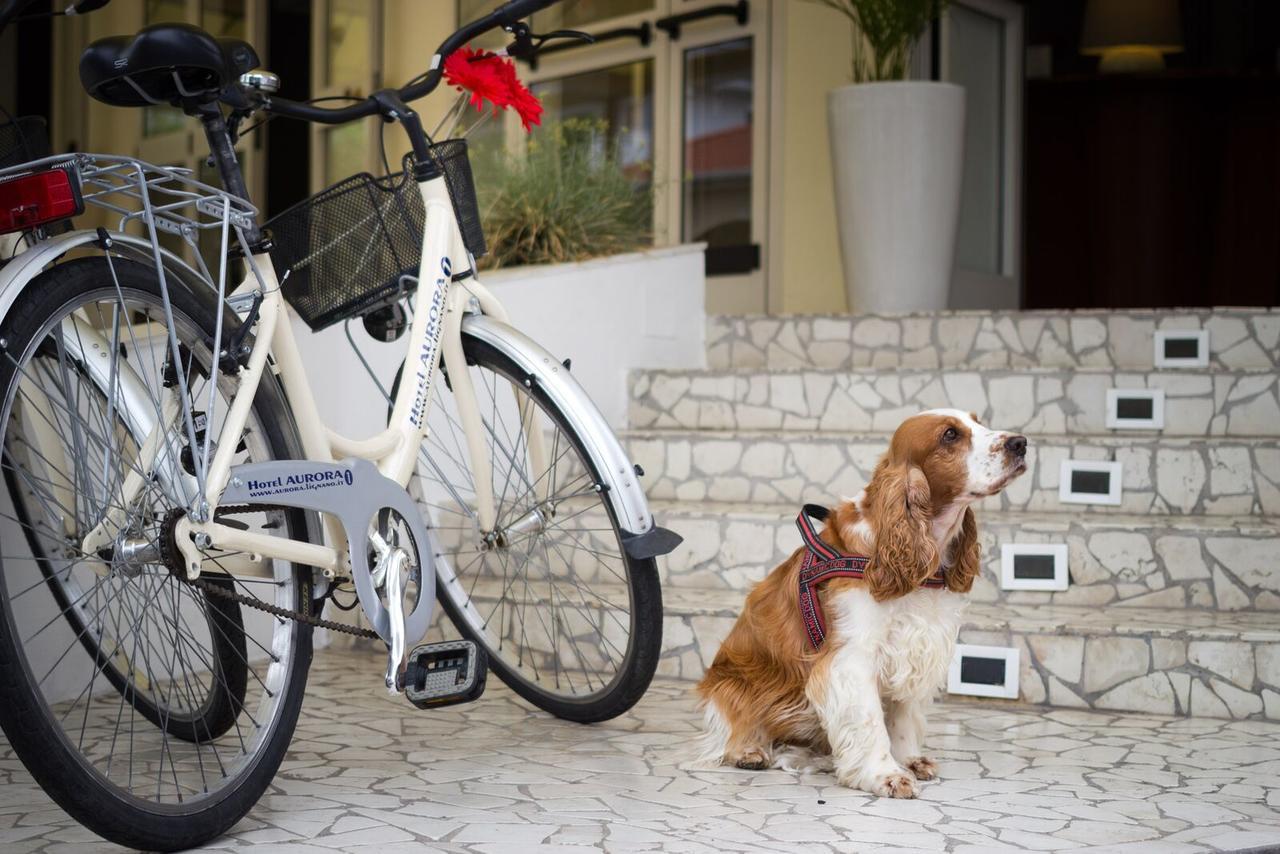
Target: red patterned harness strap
[(821, 563)]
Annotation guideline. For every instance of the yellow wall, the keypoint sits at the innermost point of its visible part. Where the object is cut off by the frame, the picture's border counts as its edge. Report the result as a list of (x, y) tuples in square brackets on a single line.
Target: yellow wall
[(812, 55), (410, 35)]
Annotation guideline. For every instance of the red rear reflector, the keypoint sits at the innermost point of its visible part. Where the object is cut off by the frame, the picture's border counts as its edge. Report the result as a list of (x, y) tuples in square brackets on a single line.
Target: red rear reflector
[(32, 200)]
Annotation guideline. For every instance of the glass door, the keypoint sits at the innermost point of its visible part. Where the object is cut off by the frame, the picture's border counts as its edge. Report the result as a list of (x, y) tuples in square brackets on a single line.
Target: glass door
[(981, 47), (719, 149), (346, 44), (683, 102)]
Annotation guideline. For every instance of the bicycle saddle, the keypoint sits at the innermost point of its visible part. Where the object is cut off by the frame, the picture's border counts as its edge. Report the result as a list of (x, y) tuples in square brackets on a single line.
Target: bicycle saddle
[(163, 64)]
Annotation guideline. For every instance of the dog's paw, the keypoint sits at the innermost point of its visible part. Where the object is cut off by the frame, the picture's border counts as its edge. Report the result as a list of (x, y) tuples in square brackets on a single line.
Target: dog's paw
[(898, 784), (752, 760), (923, 767)]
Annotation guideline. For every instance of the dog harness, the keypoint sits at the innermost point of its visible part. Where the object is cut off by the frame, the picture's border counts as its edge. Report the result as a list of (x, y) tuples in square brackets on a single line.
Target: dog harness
[(822, 563)]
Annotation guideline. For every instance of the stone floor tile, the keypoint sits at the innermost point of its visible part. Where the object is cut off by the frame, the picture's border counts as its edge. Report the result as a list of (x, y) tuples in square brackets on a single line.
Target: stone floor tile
[(499, 776)]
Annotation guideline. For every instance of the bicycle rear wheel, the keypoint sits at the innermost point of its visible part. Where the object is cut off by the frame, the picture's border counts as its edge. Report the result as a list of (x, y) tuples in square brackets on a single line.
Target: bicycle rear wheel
[(570, 621), (154, 712)]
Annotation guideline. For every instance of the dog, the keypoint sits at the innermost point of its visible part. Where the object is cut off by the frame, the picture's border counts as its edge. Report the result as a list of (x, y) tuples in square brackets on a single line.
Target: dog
[(859, 690)]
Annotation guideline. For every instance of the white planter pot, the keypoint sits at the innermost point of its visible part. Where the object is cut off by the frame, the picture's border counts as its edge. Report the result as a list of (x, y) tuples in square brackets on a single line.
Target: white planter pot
[(898, 151)]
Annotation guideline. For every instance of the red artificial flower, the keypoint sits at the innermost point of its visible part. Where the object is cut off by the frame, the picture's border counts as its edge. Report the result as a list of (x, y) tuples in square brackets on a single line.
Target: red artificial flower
[(525, 103), (489, 77)]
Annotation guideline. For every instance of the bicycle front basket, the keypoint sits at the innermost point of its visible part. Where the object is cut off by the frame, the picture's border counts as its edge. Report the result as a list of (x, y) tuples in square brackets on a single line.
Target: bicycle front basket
[(347, 247), (451, 157)]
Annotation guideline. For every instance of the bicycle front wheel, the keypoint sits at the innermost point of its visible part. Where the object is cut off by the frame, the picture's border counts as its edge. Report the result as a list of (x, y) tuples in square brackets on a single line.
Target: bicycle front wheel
[(569, 620)]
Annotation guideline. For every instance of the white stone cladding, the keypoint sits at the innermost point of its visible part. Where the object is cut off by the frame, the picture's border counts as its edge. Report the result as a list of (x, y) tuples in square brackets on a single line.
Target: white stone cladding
[(1174, 601)]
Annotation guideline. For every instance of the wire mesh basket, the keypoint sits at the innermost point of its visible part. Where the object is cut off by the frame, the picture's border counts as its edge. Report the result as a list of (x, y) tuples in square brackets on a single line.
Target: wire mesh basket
[(451, 157), (349, 248), (23, 139)]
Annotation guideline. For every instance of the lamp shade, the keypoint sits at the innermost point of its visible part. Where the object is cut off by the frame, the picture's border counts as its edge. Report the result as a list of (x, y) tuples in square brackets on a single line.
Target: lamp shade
[(1150, 24)]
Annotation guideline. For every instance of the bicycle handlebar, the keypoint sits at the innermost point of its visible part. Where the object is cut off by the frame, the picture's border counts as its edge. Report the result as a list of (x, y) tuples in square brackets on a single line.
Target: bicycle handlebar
[(506, 15), (11, 9)]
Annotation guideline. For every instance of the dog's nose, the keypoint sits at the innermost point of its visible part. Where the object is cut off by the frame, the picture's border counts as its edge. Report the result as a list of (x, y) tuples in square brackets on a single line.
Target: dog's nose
[(1016, 445)]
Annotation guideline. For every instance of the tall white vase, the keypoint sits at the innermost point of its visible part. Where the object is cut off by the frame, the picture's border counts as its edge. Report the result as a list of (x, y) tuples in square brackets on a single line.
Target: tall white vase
[(898, 153)]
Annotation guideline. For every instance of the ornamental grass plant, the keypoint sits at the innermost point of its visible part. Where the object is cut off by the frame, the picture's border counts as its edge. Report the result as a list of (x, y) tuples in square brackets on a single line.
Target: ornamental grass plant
[(884, 32), (565, 197)]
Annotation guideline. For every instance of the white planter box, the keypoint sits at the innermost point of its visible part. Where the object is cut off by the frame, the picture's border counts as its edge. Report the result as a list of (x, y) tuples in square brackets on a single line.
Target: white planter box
[(609, 315), (613, 315)]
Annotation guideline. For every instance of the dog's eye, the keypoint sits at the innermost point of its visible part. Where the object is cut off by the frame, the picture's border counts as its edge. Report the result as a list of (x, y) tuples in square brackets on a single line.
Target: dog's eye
[(950, 434)]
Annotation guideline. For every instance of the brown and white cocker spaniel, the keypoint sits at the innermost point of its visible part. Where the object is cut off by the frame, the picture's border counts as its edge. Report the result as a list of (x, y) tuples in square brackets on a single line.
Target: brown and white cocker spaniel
[(842, 647)]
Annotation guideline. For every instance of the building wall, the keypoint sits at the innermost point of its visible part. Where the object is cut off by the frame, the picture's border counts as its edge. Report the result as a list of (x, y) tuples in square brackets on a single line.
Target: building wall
[(812, 55)]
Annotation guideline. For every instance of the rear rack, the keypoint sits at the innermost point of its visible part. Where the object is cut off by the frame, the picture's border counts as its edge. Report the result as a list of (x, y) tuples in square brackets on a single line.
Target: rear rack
[(138, 191)]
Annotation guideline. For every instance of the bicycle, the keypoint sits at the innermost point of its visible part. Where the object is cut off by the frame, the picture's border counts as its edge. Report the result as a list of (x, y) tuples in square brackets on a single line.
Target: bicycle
[(185, 515)]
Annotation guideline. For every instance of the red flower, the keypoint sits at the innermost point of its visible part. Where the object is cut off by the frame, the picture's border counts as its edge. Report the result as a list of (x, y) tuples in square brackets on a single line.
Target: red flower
[(525, 103), (489, 77)]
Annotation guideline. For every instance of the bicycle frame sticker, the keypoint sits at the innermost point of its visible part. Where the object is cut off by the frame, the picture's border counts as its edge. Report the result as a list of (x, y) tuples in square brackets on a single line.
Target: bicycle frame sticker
[(353, 491), (430, 349)]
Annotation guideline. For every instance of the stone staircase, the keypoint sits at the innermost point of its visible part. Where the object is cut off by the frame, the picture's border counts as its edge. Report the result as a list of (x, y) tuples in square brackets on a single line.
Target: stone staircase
[(1173, 604)]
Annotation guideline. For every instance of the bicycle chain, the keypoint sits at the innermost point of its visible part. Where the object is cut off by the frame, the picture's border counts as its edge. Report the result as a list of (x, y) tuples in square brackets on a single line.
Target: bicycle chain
[(210, 588)]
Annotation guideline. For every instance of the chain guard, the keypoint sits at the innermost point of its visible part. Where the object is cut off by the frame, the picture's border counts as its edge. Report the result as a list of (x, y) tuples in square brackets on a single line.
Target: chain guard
[(352, 491), (209, 583)]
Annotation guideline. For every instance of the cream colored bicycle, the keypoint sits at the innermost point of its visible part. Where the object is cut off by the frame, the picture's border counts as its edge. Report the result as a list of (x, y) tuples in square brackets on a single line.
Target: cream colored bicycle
[(176, 513)]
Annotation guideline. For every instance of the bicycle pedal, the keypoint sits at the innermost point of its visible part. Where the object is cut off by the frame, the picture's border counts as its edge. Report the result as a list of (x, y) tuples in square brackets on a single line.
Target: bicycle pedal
[(444, 674)]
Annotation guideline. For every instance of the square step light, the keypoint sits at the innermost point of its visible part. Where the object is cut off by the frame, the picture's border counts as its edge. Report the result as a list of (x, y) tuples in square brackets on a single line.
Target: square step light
[(1034, 566), (1135, 408), (1089, 482), (984, 671), (1182, 348)]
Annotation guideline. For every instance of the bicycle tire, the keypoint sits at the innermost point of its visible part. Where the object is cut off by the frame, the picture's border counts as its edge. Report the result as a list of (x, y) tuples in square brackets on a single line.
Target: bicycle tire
[(640, 661), (26, 716)]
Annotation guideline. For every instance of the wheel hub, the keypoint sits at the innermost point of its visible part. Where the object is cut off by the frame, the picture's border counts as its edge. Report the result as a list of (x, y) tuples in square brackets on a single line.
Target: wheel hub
[(132, 555), (533, 522)]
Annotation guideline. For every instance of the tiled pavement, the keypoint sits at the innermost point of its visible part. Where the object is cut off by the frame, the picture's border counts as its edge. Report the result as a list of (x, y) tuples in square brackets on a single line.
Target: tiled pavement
[(370, 774)]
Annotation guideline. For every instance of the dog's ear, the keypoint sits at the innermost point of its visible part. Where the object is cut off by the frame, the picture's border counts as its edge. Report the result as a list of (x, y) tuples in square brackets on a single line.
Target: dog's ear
[(966, 556), (905, 554)]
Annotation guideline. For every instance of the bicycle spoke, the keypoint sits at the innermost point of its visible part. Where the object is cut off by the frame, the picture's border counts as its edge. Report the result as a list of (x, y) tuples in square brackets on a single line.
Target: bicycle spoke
[(532, 595), (134, 663)]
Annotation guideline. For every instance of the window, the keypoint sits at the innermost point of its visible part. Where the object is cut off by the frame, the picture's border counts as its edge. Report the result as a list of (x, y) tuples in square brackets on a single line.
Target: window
[(621, 97), (716, 200), (686, 112)]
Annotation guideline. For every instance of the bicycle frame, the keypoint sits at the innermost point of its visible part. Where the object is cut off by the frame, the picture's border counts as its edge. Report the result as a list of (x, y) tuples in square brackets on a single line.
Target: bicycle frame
[(445, 303), (435, 336)]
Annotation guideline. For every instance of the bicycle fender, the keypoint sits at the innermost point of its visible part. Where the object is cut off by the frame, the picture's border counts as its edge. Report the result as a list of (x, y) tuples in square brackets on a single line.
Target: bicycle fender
[(642, 538), (19, 272), (16, 275)]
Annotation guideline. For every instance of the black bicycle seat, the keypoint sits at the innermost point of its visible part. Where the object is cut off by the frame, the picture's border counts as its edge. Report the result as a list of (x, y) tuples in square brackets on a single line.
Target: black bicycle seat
[(166, 63)]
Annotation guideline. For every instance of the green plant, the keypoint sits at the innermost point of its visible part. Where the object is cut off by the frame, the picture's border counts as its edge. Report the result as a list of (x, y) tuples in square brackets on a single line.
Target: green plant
[(566, 197), (884, 31)]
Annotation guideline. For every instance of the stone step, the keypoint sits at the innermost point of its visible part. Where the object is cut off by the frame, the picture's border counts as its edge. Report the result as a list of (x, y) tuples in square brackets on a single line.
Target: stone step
[(1220, 562), (1169, 476), (1187, 662), (1239, 339), (1033, 401)]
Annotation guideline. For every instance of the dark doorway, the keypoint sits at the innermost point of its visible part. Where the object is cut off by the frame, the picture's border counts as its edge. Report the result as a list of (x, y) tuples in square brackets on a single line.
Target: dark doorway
[(289, 142), (1156, 188), (26, 72)]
